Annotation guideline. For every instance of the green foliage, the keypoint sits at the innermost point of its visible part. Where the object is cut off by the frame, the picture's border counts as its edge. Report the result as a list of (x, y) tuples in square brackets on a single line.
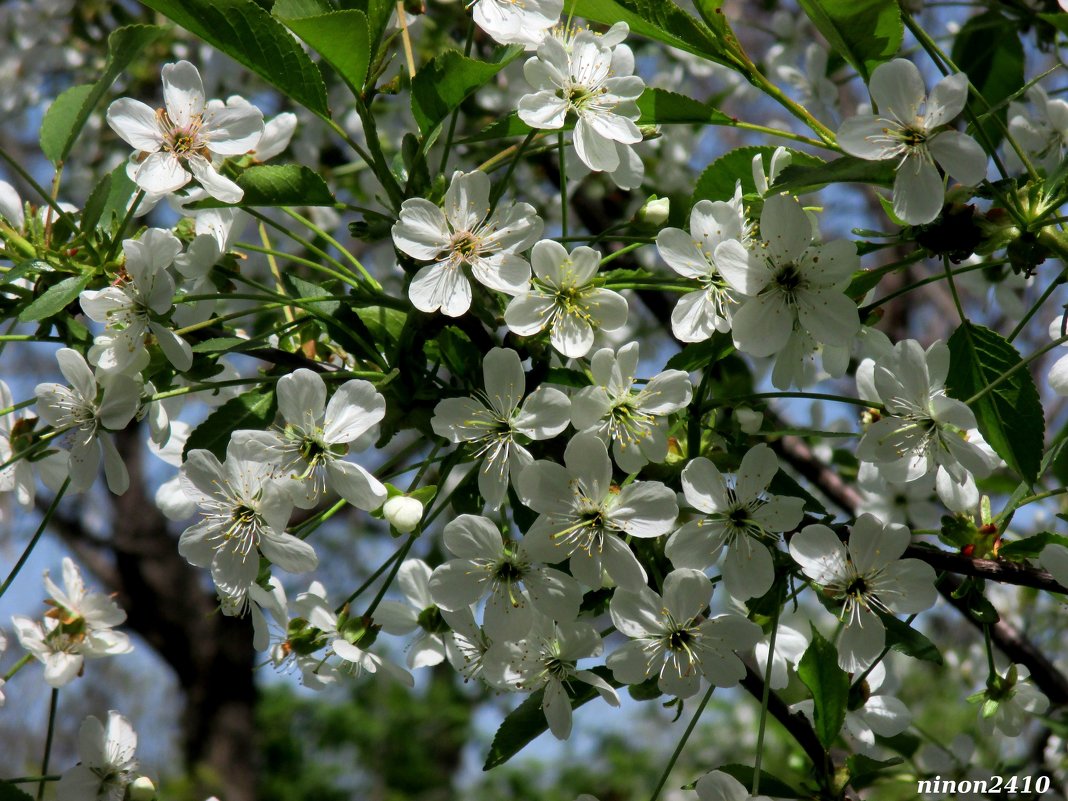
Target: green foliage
[(864, 32), (769, 784), (251, 36), (278, 185), (719, 178), (11, 792), (900, 636), (661, 107), (698, 355), (442, 85), (340, 37), (56, 298), (660, 20), (1010, 415), (799, 178), (993, 62), (67, 115), (252, 410), (829, 685), (1030, 547)]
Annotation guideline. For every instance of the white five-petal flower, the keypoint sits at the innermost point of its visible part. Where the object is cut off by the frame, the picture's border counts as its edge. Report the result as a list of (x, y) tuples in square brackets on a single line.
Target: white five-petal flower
[(183, 140), (107, 762)]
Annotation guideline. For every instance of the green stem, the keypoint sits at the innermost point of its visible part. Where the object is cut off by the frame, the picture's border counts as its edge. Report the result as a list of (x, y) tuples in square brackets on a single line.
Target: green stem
[(52, 707), (311, 226), (116, 243), (397, 554), (15, 668), (308, 527), (807, 395), (793, 137), (563, 185), (32, 779), (33, 542), (682, 743), (17, 406), (392, 573), (45, 195), (340, 272), (765, 695), (498, 191), (953, 290), (456, 111), (993, 673), (923, 281)]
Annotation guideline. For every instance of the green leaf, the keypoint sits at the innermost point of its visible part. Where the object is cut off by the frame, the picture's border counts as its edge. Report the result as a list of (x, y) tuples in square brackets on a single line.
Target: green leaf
[(565, 376), (527, 720), (698, 355), (121, 189), (55, 298), (9, 792), (1030, 547), (66, 116), (864, 771), (864, 32), (252, 37), (253, 410), (799, 178), (444, 83), (902, 637), (990, 53), (660, 20), (718, 180), (661, 107), (340, 37), (769, 785), (829, 685), (1010, 416), (277, 185), (302, 288)]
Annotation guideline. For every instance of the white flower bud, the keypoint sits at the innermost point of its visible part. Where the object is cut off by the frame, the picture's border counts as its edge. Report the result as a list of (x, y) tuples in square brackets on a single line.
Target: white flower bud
[(403, 513), (142, 789), (655, 211), (749, 420)]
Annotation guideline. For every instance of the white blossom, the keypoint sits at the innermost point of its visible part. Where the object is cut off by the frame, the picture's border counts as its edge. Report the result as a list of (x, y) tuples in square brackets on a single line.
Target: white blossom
[(80, 624), (525, 23), (465, 237), (741, 516), (673, 639), (583, 514), (417, 613), (589, 76), (106, 765), (915, 139), (516, 586), (498, 422), (307, 454), (633, 421), (77, 411), (566, 299), (869, 577), (186, 139)]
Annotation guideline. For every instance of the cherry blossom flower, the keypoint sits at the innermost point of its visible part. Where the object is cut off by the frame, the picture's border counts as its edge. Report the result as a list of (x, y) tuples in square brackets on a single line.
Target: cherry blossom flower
[(921, 430), (633, 421), (1009, 701), (566, 299), (79, 625), (719, 786), (418, 612), (589, 76), (486, 565), (523, 23), (244, 514), (134, 307), (741, 516), (107, 762), (546, 659), (787, 282), (186, 139), (496, 422), (77, 410), (672, 638), (17, 477), (583, 515), (308, 453), (915, 139), (467, 236), (869, 577), (703, 312)]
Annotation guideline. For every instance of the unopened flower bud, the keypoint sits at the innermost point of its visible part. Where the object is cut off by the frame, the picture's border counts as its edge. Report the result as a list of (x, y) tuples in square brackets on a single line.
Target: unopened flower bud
[(142, 789), (654, 212), (403, 513), (749, 420)]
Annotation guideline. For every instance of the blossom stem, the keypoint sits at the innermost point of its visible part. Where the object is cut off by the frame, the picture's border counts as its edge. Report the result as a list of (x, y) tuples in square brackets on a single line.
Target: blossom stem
[(953, 289), (928, 280), (116, 243), (682, 743), (1038, 304), (33, 542), (341, 269), (793, 137), (25, 176), (305, 529), (33, 779), (499, 190), (766, 695), (993, 673), (808, 395), (17, 406), (623, 251), (52, 707), (15, 668), (468, 43), (340, 248), (401, 553), (371, 579), (563, 185)]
